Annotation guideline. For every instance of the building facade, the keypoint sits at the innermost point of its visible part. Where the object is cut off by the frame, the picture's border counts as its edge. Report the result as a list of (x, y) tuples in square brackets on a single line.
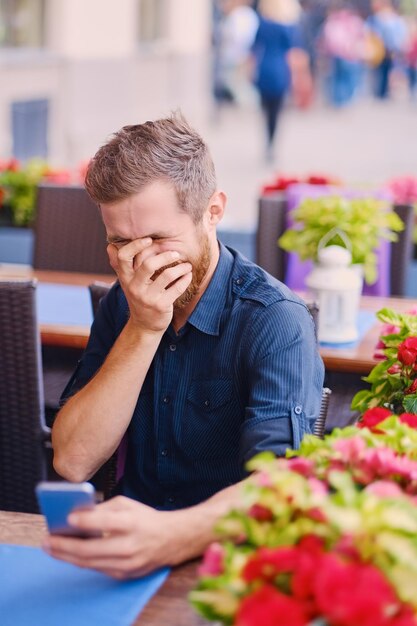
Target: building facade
[(74, 71)]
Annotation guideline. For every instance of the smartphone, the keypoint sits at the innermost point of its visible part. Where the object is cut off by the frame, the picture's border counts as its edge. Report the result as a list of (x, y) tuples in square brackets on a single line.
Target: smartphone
[(58, 499)]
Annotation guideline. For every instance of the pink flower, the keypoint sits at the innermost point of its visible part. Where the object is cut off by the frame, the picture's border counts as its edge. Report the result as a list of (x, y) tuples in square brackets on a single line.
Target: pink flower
[(403, 189), (212, 564), (301, 465), (384, 489), (263, 479), (350, 449)]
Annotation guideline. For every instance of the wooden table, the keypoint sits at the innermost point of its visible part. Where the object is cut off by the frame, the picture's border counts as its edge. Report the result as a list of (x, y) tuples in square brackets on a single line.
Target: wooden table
[(65, 336), (357, 359), (168, 607)]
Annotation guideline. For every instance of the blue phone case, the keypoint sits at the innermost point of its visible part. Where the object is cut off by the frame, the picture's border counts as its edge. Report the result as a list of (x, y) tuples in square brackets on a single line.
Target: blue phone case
[(58, 499)]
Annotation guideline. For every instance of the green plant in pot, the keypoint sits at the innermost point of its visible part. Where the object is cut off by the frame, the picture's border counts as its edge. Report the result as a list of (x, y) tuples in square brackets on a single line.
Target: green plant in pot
[(365, 221), (18, 184)]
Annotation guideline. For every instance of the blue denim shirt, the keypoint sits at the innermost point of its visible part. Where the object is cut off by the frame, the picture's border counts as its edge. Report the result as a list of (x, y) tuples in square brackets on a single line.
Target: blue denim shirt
[(243, 375)]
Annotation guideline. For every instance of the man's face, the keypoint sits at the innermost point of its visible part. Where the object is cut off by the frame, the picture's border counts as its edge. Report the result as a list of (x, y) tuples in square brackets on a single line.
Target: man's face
[(154, 213)]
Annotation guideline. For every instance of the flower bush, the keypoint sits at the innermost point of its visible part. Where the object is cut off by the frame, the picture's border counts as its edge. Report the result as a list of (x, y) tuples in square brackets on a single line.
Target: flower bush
[(18, 186), (394, 379), (404, 191), (316, 543), (365, 221)]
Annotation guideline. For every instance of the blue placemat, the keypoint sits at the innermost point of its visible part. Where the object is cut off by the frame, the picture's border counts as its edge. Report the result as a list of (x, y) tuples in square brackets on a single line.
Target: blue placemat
[(36, 589), (365, 321), (64, 304)]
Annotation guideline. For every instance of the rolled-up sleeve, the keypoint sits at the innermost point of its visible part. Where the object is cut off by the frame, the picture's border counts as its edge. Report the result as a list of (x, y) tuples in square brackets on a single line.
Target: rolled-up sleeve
[(285, 378)]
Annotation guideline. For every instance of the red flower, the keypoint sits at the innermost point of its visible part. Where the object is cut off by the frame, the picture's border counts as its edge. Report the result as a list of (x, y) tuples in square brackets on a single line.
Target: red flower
[(269, 607), (374, 416), (407, 351), (408, 418), (412, 388), (394, 369), (354, 593), (260, 513), (266, 563)]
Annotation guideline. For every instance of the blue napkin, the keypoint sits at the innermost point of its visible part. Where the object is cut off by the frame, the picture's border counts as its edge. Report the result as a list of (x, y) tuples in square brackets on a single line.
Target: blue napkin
[(63, 304), (365, 321), (36, 589)]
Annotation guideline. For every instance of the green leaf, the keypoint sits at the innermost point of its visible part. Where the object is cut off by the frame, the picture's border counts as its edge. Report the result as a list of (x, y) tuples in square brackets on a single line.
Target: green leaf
[(410, 403)]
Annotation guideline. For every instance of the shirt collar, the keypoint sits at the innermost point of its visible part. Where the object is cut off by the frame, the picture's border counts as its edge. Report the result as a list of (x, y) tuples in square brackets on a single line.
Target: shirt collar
[(207, 314)]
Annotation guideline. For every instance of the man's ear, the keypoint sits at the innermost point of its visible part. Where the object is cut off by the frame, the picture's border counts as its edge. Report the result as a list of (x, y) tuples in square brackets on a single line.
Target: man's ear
[(216, 207)]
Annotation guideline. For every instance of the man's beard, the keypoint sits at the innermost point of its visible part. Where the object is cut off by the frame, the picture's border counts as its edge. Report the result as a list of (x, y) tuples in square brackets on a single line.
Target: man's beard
[(200, 266)]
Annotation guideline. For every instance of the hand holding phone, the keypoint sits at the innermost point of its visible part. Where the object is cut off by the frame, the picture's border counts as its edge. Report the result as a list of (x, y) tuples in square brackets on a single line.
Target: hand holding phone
[(58, 499)]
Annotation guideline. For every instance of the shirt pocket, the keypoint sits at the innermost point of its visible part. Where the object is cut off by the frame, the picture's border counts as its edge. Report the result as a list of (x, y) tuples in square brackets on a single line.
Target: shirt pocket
[(210, 428)]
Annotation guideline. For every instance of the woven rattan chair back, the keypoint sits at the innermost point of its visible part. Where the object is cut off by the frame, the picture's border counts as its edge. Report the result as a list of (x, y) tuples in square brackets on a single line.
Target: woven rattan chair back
[(22, 427), (320, 423), (69, 233)]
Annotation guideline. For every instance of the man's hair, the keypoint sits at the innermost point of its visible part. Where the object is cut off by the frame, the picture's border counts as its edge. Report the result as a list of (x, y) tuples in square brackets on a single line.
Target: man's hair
[(164, 150)]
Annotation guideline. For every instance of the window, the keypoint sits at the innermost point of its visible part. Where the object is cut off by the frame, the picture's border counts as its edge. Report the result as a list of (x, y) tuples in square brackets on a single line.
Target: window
[(22, 23), (152, 20)]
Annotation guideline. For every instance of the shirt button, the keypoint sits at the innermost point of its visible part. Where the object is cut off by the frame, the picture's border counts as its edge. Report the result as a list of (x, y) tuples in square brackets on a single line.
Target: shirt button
[(298, 410), (166, 400), (206, 402), (164, 452), (239, 281), (172, 347), (171, 499)]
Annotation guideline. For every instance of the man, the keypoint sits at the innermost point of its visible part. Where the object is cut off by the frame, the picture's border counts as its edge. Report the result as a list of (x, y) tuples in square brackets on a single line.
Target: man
[(198, 355)]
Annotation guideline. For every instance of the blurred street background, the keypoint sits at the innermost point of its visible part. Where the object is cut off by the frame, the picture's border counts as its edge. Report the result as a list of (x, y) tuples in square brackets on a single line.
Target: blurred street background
[(74, 71)]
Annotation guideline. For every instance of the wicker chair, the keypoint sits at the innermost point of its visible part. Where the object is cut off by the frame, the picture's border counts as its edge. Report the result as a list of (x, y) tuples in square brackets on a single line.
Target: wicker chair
[(320, 423), (23, 433), (272, 223), (69, 233)]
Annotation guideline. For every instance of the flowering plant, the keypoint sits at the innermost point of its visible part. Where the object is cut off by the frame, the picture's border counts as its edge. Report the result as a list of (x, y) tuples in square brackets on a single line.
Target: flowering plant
[(18, 186), (404, 191), (316, 543), (365, 221), (394, 379)]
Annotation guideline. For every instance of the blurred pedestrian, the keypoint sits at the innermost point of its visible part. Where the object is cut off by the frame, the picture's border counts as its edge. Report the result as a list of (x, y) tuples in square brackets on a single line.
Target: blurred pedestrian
[(280, 62), (236, 33), (386, 24), (411, 57), (343, 42)]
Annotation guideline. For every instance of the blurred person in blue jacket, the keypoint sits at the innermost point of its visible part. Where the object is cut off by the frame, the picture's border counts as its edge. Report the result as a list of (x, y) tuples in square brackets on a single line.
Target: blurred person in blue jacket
[(280, 62), (386, 24)]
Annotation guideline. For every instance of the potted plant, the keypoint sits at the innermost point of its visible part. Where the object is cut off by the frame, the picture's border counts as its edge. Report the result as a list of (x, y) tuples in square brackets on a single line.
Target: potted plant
[(18, 187), (394, 379), (365, 221)]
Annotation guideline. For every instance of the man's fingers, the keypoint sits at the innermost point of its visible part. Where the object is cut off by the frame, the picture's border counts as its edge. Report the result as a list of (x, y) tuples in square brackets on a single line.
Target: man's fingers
[(172, 274), (153, 264), (127, 254), (178, 287), (92, 549)]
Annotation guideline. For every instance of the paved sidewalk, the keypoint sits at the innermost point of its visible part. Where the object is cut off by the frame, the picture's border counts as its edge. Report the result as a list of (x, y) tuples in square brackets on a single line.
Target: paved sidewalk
[(368, 142)]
